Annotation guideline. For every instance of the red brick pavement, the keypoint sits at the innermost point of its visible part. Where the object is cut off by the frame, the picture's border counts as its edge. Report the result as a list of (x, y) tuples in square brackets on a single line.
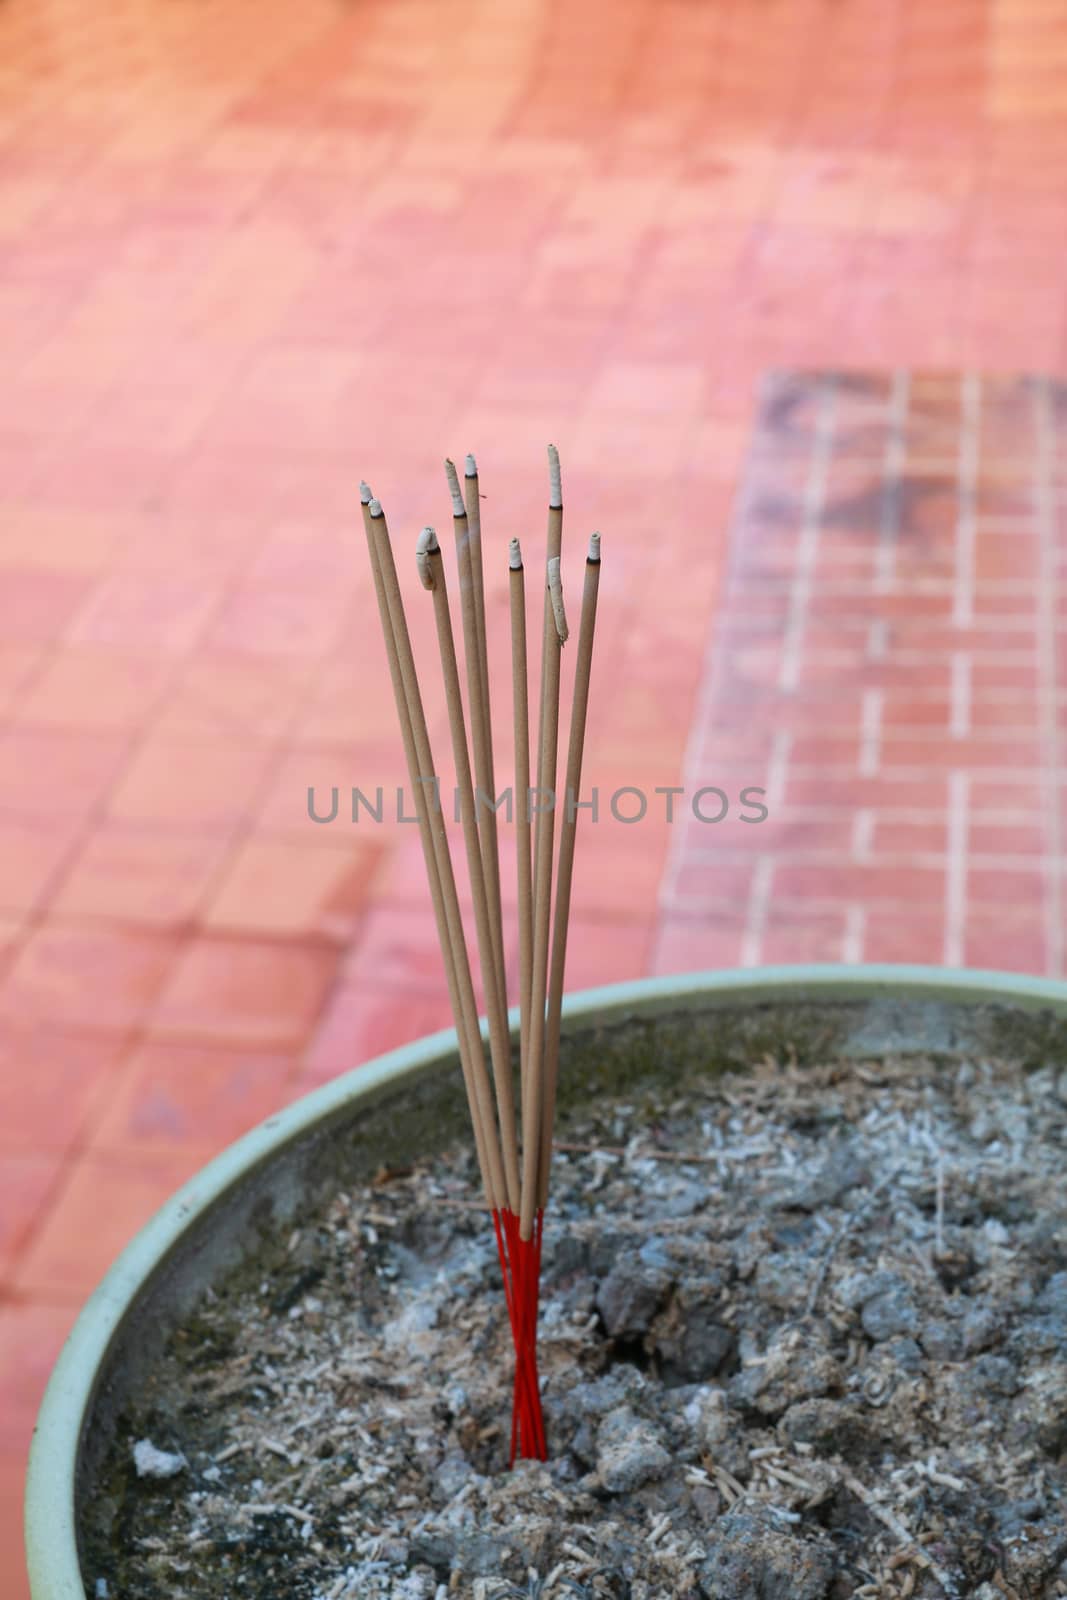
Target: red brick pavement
[(251, 253), (887, 671)]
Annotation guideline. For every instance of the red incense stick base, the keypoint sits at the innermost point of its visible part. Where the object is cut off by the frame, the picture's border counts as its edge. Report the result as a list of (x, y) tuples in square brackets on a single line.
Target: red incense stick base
[(520, 1262)]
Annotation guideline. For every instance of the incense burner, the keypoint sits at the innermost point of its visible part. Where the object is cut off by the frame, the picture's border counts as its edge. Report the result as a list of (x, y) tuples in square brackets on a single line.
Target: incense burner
[(413, 1099)]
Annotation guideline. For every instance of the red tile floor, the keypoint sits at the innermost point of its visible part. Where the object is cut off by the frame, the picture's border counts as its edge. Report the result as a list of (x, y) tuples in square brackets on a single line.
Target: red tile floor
[(252, 252)]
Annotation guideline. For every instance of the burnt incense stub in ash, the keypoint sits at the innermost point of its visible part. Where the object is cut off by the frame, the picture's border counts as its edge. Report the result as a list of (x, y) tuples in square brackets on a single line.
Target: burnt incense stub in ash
[(513, 1150), (804, 1337)]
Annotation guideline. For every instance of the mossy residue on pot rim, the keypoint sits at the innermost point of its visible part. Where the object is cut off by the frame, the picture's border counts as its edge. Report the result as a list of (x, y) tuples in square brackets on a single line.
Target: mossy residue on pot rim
[(728, 1038)]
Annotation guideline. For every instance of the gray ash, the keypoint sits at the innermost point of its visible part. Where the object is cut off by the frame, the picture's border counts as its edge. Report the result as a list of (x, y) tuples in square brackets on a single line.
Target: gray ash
[(803, 1336)]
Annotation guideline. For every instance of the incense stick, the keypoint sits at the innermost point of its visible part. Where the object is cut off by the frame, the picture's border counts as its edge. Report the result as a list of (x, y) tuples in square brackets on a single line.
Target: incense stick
[(499, 1041), (436, 853), (521, 714), (533, 1097), (472, 499), (473, 621), (565, 870), (486, 778), (525, 1254)]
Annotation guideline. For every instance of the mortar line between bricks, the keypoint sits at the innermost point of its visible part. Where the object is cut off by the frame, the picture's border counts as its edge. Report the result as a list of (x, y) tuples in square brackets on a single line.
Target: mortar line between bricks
[(856, 586), (778, 768), (999, 816), (854, 934), (910, 772), (759, 899), (799, 909), (833, 855), (960, 714), (863, 822), (956, 869), (832, 722), (872, 705), (877, 646), (970, 401), (904, 655), (1052, 797), (838, 620)]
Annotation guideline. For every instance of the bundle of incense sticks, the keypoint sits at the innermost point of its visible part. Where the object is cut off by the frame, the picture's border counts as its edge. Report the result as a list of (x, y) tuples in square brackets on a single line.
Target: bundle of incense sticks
[(514, 1148)]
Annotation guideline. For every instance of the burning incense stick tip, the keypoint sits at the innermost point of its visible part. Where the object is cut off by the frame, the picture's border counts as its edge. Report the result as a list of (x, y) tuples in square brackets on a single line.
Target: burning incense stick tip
[(426, 547), (375, 508), (594, 547), (458, 508), (555, 485), (515, 555), (471, 468), (365, 494), (555, 590)]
